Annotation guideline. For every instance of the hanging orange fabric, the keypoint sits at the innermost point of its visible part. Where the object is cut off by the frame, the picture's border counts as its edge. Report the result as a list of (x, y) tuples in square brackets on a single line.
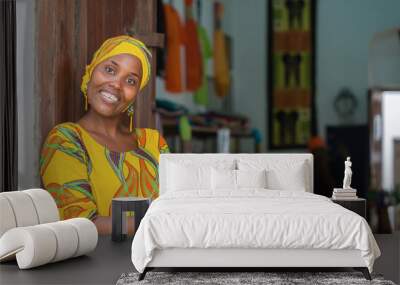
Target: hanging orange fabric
[(221, 66), (174, 33), (194, 66)]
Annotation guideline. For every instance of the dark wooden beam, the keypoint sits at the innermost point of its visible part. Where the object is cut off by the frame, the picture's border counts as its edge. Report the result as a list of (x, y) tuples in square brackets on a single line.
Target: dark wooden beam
[(145, 25)]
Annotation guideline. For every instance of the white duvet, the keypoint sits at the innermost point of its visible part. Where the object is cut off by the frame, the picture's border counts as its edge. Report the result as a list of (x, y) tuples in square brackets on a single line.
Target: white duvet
[(252, 218)]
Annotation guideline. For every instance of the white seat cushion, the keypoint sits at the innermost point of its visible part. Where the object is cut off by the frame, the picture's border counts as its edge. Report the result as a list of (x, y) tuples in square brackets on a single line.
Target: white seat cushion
[(87, 235), (45, 205), (7, 220), (40, 244), (23, 208), (32, 246), (31, 232), (26, 208), (66, 237)]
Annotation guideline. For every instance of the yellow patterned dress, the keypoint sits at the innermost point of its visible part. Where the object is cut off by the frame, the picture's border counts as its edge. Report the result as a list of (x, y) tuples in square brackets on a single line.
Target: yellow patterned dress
[(83, 176)]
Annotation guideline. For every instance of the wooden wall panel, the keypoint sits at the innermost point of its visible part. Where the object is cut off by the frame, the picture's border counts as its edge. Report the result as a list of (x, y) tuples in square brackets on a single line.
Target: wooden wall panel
[(61, 48), (63, 61), (80, 58), (113, 23), (45, 65), (108, 18), (128, 10), (95, 25)]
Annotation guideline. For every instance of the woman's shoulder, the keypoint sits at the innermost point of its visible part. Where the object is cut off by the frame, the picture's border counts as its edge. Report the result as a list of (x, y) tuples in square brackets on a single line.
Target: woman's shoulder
[(67, 131), (149, 138), (65, 125), (147, 131)]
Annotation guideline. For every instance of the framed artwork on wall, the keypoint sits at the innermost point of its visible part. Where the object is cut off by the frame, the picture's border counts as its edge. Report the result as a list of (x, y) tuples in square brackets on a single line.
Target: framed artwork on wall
[(291, 61)]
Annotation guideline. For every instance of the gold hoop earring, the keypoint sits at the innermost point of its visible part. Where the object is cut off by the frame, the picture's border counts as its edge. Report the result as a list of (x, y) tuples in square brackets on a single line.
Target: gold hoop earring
[(86, 102), (130, 112)]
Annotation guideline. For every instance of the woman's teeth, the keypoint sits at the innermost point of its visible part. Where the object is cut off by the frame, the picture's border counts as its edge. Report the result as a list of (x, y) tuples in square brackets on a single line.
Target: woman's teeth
[(109, 97)]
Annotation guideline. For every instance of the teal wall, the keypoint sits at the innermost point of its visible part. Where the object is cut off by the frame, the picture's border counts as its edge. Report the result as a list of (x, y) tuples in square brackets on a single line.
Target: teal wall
[(248, 28), (344, 31)]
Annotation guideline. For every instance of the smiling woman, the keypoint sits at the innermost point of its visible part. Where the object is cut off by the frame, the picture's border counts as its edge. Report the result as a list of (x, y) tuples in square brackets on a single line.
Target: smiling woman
[(86, 164)]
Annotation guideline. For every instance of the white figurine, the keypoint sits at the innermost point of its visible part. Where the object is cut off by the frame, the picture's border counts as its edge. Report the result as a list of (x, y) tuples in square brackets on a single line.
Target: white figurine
[(347, 174)]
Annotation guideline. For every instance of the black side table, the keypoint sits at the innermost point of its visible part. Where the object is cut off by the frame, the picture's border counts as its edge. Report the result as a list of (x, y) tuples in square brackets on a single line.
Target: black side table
[(358, 206), (121, 205)]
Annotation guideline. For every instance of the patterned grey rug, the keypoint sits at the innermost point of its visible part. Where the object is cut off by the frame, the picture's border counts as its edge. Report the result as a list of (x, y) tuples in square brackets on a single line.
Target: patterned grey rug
[(229, 278)]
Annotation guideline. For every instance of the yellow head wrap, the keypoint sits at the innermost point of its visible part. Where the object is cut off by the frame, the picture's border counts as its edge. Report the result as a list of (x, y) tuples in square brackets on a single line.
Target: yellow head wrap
[(115, 46)]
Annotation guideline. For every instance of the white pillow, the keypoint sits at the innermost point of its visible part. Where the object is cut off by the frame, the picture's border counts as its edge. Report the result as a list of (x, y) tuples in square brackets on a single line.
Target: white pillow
[(182, 177), (223, 179), (209, 161), (251, 178), (281, 174), (292, 179)]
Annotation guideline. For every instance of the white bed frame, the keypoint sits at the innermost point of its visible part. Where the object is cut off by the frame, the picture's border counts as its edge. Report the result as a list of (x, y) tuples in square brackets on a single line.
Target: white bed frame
[(250, 258), (234, 257)]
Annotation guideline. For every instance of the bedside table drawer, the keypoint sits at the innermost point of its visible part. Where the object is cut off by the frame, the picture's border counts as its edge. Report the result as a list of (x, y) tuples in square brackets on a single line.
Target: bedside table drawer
[(358, 206)]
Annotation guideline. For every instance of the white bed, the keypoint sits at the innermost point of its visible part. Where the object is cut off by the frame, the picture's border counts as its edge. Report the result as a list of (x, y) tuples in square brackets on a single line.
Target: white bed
[(193, 224)]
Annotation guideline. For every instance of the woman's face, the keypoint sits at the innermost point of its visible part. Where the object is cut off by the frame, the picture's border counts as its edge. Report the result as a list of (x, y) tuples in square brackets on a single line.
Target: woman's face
[(114, 84)]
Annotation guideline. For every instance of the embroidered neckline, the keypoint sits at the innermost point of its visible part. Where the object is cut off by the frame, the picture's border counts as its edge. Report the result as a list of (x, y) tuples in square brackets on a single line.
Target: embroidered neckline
[(105, 147)]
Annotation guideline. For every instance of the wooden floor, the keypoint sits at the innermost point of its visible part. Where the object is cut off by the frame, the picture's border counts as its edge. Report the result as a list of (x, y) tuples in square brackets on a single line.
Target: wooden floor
[(389, 262), (106, 264), (103, 266)]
